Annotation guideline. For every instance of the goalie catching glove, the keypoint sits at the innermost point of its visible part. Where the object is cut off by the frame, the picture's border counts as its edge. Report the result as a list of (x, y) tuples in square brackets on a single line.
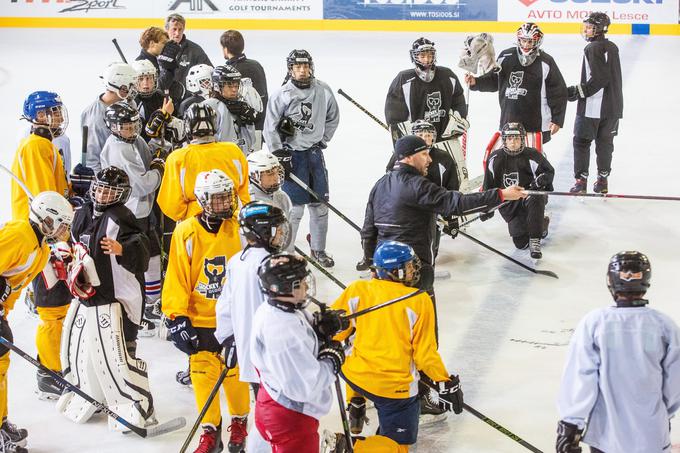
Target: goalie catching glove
[(456, 126), (82, 274)]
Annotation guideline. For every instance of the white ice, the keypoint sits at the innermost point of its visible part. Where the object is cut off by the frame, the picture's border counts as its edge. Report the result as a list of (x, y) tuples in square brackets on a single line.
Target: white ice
[(505, 330)]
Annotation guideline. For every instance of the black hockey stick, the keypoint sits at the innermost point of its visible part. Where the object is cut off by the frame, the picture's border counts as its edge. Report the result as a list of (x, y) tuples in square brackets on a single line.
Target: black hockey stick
[(321, 269), (309, 190), (384, 304), (211, 397), (361, 107), (120, 52), (519, 263), (83, 146), (169, 426), (603, 195)]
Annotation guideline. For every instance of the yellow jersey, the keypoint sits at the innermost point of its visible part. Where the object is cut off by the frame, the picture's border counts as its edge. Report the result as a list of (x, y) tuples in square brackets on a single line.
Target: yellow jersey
[(22, 257), (197, 270), (176, 194), (391, 344), (39, 166)]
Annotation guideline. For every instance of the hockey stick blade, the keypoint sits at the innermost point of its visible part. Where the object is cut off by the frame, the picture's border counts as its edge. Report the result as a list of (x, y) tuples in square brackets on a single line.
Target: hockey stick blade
[(473, 184), (167, 427)]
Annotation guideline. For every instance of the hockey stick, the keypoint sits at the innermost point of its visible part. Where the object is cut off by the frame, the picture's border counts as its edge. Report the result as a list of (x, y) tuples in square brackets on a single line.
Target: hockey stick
[(83, 146), (319, 267), (18, 181), (309, 190), (383, 305), (211, 397), (169, 426), (604, 195), (488, 247), (120, 52), (360, 107)]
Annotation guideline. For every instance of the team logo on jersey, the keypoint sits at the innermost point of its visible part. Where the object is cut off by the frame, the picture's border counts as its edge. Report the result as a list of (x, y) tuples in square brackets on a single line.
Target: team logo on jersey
[(215, 270), (434, 105), (303, 117), (511, 179), (514, 90)]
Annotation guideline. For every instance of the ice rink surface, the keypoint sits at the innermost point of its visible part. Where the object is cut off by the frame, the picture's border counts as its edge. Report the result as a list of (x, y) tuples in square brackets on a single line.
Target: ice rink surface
[(503, 329)]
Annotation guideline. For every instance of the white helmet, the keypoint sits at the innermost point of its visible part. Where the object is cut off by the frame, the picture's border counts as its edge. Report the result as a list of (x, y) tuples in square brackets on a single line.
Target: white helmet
[(260, 162), (120, 76), (215, 193), (52, 213), (145, 68), (199, 79)]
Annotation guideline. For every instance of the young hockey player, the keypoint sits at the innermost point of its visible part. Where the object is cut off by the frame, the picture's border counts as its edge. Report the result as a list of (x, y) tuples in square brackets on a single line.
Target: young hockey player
[(201, 246), (40, 167), (127, 150), (296, 368), (235, 112), (600, 104), (302, 116), (266, 231), (25, 253), (621, 380), (530, 87), (110, 256), (266, 176), (176, 195), (516, 164), (199, 83), (387, 347)]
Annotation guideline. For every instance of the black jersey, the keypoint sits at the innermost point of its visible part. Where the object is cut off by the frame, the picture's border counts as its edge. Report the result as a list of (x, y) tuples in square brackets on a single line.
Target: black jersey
[(411, 99), (601, 81), (533, 95), (504, 170)]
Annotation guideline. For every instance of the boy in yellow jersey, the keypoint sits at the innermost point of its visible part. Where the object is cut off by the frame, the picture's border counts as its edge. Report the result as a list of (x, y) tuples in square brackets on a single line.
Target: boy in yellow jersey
[(38, 164), (389, 346), (25, 254), (201, 246), (176, 194)]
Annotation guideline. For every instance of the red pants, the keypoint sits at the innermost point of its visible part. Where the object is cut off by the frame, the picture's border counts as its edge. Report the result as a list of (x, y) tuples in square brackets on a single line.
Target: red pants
[(287, 431)]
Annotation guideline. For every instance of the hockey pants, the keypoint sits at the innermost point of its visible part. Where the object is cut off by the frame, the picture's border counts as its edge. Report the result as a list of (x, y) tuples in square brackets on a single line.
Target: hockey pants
[(6, 332), (318, 224), (94, 358), (603, 132), (52, 306), (525, 219)]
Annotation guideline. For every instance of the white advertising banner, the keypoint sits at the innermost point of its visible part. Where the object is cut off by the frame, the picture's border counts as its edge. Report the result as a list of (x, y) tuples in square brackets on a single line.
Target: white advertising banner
[(620, 11)]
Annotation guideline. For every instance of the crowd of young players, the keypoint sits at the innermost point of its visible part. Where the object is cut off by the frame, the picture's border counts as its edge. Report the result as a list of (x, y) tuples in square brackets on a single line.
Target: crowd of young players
[(228, 283)]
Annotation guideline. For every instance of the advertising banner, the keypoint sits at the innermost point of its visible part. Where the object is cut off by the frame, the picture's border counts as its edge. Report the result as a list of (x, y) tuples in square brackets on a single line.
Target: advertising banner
[(478, 10), (619, 11)]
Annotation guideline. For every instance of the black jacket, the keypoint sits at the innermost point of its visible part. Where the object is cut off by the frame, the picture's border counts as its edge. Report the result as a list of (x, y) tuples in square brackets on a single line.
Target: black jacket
[(521, 89), (254, 71), (121, 277), (442, 171), (601, 81), (403, 206), (410, 99)]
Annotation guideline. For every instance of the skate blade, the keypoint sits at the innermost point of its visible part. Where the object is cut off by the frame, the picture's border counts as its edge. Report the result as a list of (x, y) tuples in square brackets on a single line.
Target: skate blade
[(430, 419), (47, 396), (147, 333), (442, 275)]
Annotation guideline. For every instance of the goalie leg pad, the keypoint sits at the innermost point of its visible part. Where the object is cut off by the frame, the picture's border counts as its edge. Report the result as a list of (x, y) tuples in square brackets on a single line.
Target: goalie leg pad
[(454, 148)]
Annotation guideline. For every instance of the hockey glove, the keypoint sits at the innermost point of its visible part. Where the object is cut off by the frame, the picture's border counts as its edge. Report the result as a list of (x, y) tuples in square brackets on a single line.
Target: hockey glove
[(286, 127), (244, 112), (539, 183), (456, 126), (183, 334), (168, 58), (575, 92), (154, 126), (5, 290), (6, 332), (486, 216), (334, 353), (451, 227), (230, 358), (76, 202), (157, 164), (451, 394), (285, 158), (568, 438), (321, 145), (81, 178), (328, 323)]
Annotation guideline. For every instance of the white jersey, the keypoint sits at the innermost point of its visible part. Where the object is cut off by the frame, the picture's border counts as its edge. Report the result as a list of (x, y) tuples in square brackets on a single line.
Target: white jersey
[(228, 129), (284, 348), (280, 199), (622, 379), (236, 306), (314, 112), (134, 159)]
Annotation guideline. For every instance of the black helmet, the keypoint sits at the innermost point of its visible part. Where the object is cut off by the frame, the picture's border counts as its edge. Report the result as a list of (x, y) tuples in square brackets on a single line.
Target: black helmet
[(117, 116), (424, 71), (419, 126), (629, 273), (200, 120), (281, 274), (223, 74), (263, 223), (300, 57), (513, 130), (111, 186), (600, 22)]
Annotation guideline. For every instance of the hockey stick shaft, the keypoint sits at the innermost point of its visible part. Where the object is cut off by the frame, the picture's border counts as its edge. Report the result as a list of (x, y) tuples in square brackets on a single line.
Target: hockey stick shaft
[(319, 267), (360, 107), (501, 429), (309, 190), (603, 195), (384, 304), (211, 397), (509, 258), (120, 52), (83, 146), (18, 181), (343, 416)]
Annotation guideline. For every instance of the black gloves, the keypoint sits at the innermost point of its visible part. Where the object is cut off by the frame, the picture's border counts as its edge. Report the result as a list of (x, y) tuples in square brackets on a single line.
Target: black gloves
[(183, 334), (157, 164), (286, 127), (230, 358), (81, 178), (329, 322), (572, 93), (486, 216), (451, 393), (285, 158), (568, 438), (539, 183), (334, 353), (451, 227), (5, 290), (168, 58), (242, 110)]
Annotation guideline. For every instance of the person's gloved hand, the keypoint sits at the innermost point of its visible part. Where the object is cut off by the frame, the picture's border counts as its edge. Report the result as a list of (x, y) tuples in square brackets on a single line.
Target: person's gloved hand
[(285, 158), (168, 57), (486, 216), (451, 227), (329, 322), (183, 334)]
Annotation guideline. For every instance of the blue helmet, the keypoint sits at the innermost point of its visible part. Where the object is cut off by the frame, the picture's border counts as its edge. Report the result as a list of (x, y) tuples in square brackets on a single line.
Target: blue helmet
[(391, 260), (56, 117)]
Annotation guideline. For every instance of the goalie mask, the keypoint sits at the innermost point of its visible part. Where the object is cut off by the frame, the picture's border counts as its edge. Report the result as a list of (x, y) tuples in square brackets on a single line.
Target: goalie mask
[(286, 281), (44, 108), (529, 40), (265, 171), (215, 193), (265, 226), (147, 77), (123, 121), (397, 262), (628, 274), (199, 79), (111, 186), (300, 68), (514, 138), (424, 57), (425, 130), (52, 214)]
